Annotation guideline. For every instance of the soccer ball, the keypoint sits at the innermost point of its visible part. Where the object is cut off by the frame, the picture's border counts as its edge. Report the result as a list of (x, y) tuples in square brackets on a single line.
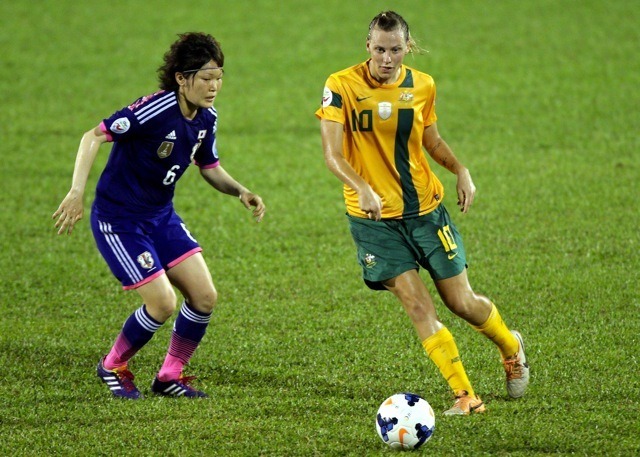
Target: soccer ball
[(405, 421)]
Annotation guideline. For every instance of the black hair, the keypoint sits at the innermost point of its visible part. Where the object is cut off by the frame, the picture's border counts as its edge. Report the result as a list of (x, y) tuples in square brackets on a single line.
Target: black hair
[(190, 52)]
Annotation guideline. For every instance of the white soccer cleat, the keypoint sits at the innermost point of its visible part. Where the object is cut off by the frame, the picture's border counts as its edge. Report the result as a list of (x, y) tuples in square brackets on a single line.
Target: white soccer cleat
[(517, 370)]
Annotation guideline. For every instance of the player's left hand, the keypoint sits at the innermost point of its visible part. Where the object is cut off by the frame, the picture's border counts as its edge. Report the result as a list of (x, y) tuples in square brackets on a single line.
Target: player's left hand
[(250, 200), (466, 190)]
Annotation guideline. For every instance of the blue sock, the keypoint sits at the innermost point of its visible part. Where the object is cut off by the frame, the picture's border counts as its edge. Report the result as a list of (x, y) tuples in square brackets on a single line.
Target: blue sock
[(191, 324), (138, 329)]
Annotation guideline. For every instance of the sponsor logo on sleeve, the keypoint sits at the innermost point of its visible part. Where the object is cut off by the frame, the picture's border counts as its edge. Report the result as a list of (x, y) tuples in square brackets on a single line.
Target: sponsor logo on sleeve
[(327, 97)]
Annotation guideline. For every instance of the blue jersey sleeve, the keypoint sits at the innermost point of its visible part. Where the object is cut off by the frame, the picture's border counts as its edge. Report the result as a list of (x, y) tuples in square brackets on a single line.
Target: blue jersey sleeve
[(126, 123), (121, 125)]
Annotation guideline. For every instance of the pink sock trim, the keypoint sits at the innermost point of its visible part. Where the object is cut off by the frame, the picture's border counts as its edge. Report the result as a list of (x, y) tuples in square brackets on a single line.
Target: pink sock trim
[(114, 358), (171, 368)]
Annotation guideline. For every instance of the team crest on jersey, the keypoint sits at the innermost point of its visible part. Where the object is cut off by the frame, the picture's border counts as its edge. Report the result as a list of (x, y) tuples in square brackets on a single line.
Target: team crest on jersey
[(165, 149), (370, 260), (120, 125), (384, 110), (146, 260), (406, 96)]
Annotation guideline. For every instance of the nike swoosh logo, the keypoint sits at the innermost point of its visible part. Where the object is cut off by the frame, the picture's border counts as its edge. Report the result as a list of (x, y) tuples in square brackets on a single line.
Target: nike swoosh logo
[(359, 99), (451, 256)]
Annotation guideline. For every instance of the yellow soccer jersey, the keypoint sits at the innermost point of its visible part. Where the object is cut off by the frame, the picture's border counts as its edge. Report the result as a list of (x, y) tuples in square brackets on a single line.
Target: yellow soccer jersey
[(383, 130)]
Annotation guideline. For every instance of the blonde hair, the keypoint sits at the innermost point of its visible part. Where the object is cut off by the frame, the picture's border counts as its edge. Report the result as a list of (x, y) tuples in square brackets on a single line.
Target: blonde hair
[(390, 20)]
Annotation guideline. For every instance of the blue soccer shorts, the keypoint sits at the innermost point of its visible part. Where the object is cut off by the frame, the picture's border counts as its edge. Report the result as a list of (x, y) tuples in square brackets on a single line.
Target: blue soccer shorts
[(138, 251)]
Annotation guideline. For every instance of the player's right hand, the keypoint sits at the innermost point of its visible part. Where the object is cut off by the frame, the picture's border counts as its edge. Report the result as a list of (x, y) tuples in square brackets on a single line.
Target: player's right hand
[(68, 213), (371, 204)]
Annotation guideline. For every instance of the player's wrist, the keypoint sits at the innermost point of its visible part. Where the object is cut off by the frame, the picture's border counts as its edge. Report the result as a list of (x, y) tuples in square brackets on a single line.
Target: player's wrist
[(460, 170), (77, 191)]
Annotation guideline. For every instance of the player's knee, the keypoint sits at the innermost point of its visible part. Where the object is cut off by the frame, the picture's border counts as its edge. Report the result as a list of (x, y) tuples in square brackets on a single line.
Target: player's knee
[(468, 306), (419, 311), (162, 306), (205, 301), (464, 310)]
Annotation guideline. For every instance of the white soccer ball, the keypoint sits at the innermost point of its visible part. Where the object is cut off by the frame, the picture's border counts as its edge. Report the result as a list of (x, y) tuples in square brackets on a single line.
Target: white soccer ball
[(405, 421)]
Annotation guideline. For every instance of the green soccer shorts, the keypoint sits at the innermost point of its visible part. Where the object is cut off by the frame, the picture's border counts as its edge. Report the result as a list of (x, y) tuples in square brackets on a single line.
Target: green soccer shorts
[(389, 247)]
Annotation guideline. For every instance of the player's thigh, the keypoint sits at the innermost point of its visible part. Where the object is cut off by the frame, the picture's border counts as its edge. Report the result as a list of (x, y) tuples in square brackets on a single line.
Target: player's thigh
[(185, 266), (459, 297), (192, 277), (417, 302), (412, 292), (159, 298)]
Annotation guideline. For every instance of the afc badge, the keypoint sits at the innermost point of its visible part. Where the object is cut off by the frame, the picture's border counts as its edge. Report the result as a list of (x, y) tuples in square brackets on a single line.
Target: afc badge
[(384, 110), (165, 149), (120, 125), (145, 260), (370, 260), (327, 97)]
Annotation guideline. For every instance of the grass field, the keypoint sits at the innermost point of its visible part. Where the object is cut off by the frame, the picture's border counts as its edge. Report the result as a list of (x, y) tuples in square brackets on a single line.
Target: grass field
[(538, 98)]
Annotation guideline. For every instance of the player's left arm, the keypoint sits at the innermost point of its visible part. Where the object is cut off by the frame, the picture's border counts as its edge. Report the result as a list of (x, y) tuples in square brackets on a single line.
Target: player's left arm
[(440, 151), (223, 182)]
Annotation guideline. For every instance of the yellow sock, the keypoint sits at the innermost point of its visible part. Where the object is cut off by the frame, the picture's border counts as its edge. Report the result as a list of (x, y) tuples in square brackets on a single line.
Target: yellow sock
[(442, 349), (496, 330)]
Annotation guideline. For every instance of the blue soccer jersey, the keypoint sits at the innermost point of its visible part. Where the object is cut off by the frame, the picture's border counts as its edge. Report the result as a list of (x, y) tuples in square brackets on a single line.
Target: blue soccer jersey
[(153, 146)]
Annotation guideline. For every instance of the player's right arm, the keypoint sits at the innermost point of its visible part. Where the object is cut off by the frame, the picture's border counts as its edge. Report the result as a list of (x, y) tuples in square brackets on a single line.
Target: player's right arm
[(332, 134), (71, 209)]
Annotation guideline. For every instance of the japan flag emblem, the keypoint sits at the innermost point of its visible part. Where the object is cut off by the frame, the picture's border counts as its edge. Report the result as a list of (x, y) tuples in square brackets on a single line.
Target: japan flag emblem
[(146, 260)]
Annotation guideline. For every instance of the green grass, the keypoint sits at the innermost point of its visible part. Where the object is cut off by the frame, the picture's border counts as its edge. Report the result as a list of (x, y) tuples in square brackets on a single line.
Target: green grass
[(539, 100)]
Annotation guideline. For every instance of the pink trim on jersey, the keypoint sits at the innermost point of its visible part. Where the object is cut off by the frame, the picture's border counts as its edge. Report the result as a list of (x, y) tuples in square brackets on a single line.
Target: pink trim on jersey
[(105, 130), (144, 281), (184, 257), (212, 165)]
